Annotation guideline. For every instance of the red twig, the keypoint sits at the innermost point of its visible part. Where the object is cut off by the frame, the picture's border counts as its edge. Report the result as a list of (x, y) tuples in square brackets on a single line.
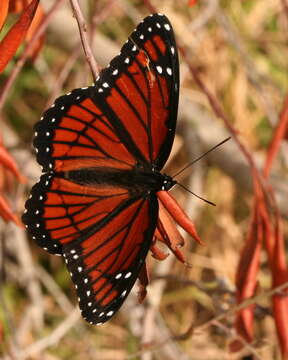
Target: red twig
[(275, 240), (279, 134), (247, 270)]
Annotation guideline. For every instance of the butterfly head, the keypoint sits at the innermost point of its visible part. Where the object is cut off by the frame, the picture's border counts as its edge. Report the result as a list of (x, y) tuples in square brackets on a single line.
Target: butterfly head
[(167, 182)]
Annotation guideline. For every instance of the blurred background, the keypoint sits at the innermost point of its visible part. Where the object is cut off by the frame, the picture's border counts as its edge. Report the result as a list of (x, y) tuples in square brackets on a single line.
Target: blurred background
[(239, 50)]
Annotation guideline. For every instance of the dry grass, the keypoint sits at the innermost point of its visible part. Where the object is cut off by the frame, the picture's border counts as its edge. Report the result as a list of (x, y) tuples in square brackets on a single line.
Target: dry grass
[(240, 51)]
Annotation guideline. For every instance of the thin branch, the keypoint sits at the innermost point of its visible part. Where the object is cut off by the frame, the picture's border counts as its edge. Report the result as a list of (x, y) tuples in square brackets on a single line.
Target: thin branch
[(76, 51), (278, 290), (6, 317), (239, 338), (150, 328), (230, 159), (52, 339), (55, 290), (257, 78), (84, 38), (217, 108), (204, 16), (27, 267), (278, 135)]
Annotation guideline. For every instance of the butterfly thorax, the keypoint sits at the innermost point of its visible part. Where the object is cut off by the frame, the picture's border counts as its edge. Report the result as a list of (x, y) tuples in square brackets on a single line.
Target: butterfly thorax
[(135, 180)]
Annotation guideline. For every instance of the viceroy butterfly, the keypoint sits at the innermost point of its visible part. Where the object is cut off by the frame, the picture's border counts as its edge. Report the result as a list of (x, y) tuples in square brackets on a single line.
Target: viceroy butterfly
[(102, 149)]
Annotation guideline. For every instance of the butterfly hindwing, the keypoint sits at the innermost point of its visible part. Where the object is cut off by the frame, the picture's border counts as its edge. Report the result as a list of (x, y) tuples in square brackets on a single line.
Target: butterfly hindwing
[(104, 237), (34, 216), (106, 265), (60, 211)]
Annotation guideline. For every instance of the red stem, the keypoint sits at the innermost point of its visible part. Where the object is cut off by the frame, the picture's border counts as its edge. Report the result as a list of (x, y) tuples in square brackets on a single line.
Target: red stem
[(279, 134)]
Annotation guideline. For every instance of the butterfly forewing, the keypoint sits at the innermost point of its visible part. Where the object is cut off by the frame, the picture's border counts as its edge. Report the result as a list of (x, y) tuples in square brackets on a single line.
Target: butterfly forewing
[(75, 133), (127, 118), (141, 90), (124, 123)]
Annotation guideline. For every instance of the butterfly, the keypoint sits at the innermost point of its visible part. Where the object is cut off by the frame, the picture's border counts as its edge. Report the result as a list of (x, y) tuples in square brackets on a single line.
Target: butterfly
[(102, 149)]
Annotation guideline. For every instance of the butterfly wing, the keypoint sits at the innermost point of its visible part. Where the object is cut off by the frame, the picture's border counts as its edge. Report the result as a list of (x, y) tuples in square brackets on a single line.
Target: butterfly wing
[(128, 118), (103, 233), (75, 133), (139, 91)]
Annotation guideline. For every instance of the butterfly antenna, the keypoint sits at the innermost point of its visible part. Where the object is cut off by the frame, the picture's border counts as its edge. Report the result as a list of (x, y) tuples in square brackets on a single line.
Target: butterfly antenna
[(199, 197), (200, 157)]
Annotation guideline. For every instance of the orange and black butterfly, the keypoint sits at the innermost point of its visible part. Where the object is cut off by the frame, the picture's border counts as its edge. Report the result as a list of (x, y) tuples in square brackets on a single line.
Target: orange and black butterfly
[(102, 149)]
